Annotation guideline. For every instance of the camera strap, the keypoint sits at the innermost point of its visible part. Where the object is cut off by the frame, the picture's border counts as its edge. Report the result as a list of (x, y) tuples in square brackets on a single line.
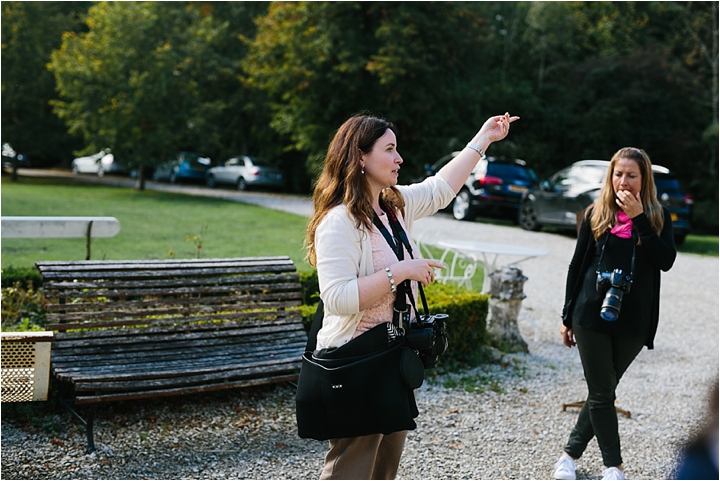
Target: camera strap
[(632, 259), (397, 240)]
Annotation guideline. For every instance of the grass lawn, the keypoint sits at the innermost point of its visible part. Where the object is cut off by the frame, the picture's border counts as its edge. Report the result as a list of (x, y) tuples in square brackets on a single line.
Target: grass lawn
[(154, 225)]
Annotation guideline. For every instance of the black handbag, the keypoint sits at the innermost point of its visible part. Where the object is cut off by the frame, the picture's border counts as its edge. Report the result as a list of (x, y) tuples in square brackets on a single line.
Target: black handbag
[(364, 387), (367, 385)]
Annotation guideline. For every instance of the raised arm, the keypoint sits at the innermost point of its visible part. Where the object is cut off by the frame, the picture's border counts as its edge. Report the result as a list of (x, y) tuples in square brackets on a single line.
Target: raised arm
[(457, 170)]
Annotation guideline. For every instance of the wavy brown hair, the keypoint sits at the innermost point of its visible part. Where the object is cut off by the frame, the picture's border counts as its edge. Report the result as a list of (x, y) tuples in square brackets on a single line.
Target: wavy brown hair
[(605, 209), (342, 181)]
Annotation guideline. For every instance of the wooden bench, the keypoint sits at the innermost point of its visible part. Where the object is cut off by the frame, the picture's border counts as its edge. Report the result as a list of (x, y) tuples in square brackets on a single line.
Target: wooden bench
[(130, 330)]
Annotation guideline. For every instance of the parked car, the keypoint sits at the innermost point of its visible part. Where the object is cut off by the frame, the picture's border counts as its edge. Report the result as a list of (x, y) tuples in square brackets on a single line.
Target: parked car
[(495, 187), (244, 172), (185, 167), (101, 163), (557, 201)]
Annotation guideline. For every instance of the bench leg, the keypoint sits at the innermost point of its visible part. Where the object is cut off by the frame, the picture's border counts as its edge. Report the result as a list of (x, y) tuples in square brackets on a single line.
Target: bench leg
[(88, 423)]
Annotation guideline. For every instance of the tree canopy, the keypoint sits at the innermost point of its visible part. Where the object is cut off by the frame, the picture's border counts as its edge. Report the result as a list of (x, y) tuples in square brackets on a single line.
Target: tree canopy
[(276, 79)]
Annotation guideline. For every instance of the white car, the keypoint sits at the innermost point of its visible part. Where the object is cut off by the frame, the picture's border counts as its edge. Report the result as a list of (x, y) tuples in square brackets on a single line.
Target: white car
[(101, 163), (244, 172)]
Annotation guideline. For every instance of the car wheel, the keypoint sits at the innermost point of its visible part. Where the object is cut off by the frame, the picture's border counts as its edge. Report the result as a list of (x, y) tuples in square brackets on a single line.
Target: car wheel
[(527, 217), (462, 210), (210, 181), (173, 178), (241, 184), (75, 169)]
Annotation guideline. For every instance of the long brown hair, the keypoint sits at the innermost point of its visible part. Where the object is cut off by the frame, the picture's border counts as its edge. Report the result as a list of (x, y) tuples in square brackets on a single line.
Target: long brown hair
[(342, 180), (604, 211)]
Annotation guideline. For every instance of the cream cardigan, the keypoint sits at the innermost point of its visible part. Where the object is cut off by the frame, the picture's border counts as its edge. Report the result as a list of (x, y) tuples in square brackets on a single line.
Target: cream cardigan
[(344, 253)]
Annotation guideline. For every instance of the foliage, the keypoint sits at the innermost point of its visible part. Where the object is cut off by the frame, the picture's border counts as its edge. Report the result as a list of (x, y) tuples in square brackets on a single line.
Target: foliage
[(466, 325), (277, 78), (30, 32), (23, 308), (147, 96), (25, 275), (310, 286)]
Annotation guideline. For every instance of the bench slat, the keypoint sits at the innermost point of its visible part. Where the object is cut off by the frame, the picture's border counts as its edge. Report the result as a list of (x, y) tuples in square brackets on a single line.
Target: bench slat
[(241, 372), (131, 396), (123, 362)]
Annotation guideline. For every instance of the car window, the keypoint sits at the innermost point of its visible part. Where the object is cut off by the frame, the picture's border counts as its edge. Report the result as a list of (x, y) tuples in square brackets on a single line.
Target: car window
[(259, 162), (668, 185), (232, 162), (583, 174), (511, 171)]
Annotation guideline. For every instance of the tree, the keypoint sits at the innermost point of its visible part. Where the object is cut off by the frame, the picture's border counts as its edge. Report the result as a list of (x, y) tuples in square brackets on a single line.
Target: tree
[(143, 80), (321, 62), (30, 32)]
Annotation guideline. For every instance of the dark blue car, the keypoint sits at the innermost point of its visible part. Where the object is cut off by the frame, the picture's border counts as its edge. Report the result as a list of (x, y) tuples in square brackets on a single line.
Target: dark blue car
[(185, 167)]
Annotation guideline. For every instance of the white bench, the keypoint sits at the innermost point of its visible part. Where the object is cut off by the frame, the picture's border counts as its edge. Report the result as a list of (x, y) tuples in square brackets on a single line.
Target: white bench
[(60, 227)]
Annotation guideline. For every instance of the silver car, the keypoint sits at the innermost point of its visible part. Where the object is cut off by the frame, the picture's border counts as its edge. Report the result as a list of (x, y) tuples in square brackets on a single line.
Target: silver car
[(244, 172)]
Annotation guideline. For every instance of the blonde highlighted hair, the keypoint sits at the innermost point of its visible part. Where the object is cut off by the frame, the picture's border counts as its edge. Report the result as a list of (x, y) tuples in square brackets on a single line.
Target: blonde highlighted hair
[(605, 209), (342, 180)]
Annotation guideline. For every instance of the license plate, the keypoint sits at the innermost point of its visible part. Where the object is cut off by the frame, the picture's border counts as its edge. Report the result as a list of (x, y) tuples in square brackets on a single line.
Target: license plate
[(517, 188), (673, 216)]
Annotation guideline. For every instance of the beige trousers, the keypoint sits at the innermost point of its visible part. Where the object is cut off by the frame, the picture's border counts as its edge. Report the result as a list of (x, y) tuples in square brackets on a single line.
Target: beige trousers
[(376, 456)]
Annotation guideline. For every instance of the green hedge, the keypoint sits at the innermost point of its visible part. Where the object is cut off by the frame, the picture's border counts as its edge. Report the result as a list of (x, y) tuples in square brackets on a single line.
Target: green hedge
[(12, 275)]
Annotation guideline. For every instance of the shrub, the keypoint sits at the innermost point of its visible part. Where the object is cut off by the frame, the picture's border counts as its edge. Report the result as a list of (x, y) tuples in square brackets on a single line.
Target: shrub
[(23, 308), (466, 324), (309, 286), (11, 275)]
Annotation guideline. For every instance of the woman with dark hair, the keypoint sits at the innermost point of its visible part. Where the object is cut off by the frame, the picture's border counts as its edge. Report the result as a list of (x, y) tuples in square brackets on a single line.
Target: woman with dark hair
[(612, 298), (358, 271)]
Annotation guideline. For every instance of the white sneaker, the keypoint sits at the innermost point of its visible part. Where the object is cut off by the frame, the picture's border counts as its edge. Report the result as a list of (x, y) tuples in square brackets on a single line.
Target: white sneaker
[(613, 473), (564, 468)]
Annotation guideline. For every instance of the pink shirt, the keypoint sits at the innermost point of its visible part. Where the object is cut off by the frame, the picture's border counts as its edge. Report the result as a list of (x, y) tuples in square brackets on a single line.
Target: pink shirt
[(382, 256)]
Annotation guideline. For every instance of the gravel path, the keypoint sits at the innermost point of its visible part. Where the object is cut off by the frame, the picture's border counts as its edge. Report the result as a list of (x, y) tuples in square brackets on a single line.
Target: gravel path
[(499, 421)]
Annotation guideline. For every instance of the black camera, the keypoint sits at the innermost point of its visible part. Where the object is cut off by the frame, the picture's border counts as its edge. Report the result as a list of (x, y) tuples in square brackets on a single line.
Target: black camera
[(427, 337), (617, 285)]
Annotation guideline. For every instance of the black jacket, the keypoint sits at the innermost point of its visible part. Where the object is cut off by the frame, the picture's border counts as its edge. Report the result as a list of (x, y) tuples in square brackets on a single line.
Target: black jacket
[(660, 249)]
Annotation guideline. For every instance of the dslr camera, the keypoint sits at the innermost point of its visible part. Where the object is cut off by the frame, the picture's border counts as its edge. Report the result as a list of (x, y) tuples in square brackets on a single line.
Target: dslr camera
[(427, 337), (617, 284)]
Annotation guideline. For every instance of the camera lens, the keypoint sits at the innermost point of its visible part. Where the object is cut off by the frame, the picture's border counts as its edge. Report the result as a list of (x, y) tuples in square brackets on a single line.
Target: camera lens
[(610, 309)]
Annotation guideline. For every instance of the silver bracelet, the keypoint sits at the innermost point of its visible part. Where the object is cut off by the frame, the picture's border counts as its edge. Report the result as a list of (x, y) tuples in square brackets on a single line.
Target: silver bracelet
[(476, 148), (390, 278)]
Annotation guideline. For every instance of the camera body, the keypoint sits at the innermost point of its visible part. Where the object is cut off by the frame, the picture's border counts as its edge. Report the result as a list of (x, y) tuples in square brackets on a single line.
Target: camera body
[(617, 285), (427, 337)]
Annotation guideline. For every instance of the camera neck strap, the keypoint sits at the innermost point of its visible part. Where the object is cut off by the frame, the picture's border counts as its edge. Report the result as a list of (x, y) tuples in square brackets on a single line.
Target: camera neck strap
[(397, 240), (632, 259)]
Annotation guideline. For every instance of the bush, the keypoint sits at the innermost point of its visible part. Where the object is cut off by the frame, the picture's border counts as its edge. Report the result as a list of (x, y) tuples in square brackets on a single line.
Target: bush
[(466, 325), (309, 286), (23, 308), (11, 275), (705, 218)]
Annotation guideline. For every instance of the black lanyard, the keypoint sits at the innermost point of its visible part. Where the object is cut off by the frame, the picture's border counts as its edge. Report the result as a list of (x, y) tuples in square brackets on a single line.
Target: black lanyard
[(397, 240)]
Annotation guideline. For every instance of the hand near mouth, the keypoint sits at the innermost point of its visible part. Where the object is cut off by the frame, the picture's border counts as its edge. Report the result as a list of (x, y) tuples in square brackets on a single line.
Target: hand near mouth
[(628, 203)]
